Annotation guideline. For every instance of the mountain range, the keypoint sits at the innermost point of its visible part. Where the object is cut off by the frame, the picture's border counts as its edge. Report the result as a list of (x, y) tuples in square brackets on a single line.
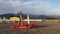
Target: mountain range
[(8, 15)]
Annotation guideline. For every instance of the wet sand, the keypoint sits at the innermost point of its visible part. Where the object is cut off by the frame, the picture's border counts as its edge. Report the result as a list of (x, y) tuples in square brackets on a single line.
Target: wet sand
[(43, 28)]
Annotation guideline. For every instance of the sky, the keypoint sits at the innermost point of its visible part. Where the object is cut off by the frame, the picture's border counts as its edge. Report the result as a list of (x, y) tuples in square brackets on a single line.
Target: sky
[(34, 7)]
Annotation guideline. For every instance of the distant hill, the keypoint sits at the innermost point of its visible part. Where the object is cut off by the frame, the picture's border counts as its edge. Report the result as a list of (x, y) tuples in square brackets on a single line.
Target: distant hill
[(8, 15)]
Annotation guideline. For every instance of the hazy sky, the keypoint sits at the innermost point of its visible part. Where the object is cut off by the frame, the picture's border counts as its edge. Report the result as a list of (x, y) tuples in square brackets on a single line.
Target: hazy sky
[(35, 7)]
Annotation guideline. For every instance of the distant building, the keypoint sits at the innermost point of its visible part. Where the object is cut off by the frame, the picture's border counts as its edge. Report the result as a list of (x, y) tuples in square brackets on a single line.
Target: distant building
[(14, 18), (3, 18)]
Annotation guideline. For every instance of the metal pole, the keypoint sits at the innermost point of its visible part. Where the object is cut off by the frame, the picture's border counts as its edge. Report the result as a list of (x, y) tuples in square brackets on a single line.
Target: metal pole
[(20, 17), (28, 19)]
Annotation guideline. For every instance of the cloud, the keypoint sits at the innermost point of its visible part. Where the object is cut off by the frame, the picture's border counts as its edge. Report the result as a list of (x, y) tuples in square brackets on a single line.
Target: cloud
[(35, 7), (6, 8), (31, 7), (54, 11)]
